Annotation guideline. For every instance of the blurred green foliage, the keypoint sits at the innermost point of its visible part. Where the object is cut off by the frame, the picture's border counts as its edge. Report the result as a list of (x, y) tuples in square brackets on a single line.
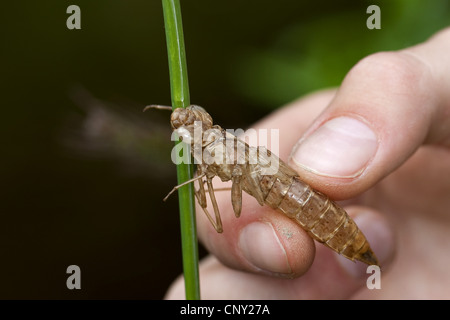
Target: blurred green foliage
[(317, 52)]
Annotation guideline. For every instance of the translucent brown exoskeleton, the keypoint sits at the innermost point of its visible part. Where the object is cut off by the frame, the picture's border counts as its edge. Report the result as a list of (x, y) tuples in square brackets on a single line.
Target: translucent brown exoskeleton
[(269, 180)]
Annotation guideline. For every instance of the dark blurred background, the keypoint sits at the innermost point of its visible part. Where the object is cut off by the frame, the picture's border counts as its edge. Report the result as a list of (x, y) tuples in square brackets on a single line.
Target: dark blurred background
[(83, 170)]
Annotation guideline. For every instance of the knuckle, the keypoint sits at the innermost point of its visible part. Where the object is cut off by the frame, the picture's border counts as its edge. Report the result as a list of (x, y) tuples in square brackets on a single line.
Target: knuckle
[(399, 72)]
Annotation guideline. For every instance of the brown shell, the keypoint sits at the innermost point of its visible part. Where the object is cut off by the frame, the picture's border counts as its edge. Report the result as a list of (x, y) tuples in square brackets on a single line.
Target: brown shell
[(284, 191)]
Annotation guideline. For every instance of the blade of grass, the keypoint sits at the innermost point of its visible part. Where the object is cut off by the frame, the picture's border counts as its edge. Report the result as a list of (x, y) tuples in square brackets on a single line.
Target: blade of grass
[(179, 88)]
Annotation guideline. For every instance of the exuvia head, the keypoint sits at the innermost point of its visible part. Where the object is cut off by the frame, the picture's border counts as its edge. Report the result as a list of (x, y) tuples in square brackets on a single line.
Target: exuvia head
[(187, 116), (185, 121)]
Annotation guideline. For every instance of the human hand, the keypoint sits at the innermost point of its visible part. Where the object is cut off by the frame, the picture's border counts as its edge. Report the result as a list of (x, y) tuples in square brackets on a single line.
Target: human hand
[(382, 145)]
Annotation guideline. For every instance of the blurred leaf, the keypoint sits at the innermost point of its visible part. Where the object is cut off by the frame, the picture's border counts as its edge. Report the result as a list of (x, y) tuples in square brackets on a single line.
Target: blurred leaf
[(317, 53)]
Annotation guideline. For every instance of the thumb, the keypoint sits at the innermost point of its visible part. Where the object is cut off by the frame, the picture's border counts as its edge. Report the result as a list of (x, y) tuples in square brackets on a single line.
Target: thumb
[(389, 104)]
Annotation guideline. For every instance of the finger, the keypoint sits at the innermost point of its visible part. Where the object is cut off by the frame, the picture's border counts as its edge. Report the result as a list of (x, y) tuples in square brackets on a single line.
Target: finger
[(263, 240), (329, 278), (388, 105)]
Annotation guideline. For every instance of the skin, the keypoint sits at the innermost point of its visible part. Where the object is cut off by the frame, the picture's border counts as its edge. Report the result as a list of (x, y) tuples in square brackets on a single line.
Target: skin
[(400, 197)]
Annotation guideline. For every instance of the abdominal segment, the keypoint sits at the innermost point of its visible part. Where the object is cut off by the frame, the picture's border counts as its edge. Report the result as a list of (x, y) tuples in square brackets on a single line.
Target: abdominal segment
[(321, 217)]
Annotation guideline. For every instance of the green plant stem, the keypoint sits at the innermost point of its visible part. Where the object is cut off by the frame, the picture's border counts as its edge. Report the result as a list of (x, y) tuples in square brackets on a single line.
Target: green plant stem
[(180, 99)]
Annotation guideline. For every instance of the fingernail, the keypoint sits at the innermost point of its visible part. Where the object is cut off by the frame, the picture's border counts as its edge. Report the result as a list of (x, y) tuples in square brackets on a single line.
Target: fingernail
[(341, 147), (262, 248), (381, 241)]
